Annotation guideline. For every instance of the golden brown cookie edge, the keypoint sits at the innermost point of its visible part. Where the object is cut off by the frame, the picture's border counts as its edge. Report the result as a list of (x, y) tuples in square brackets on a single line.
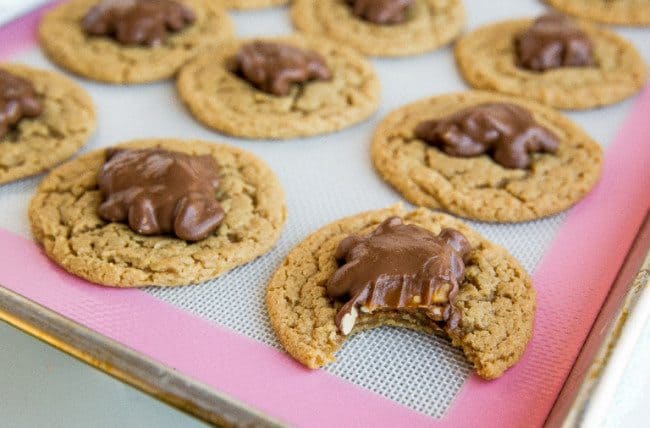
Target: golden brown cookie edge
[(606, 95), (55, 157), (221, 123), (144, 73), (379, 47), (384, 164), (313, 358), (275, 195)]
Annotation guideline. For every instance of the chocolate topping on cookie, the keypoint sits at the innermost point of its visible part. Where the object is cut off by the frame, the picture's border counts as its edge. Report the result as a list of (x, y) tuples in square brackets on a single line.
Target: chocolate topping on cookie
[(383, 12), (274, 67), (158, 191), (506, 132), (399, 267), (137, 22), (554, 41), (17, 100)]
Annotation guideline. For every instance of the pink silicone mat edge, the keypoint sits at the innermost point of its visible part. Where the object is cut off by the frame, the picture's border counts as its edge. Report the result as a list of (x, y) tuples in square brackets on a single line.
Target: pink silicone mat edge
[(575, 270)]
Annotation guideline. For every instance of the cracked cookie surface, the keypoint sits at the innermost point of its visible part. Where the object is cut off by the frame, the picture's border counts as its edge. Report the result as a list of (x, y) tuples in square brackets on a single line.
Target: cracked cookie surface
[(106, 60), (65, 221), (477, 187), (67, 122), (221, 100), (487, 60), (253, 4), (430, 25), (623, 12), (496, 299)]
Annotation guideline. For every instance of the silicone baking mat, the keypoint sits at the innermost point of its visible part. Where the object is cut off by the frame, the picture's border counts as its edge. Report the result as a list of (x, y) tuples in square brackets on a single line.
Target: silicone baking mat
[(218, 332), (11, 9)]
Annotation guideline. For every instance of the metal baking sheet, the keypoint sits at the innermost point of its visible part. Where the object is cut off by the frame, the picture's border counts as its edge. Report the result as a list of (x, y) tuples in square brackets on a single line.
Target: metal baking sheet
[(222, 325)]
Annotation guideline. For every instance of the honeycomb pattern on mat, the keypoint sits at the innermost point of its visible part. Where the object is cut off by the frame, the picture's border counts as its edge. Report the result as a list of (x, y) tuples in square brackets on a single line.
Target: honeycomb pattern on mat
[(382, 368), (14, 200)]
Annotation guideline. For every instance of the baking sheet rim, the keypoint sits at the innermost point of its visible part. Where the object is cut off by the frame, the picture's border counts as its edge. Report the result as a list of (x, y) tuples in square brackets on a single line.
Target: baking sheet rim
[(171, 387), (195, 400)]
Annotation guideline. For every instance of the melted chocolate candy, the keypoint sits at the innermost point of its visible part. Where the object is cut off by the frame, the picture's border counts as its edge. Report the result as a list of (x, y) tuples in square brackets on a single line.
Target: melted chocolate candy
[(399, 267), (157, 192), (506, 132), (17, 100), (274, 67), (382, 12), (137, 22), (554, 41)]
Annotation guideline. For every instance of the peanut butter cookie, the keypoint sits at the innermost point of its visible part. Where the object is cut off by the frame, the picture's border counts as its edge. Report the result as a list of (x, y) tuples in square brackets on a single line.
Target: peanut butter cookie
[(65, 220), (487, 59), (479, 187), (495, 302), (103, 58), (622, 12), (429, 25), (64, 124), (219, 97), (253, 4)]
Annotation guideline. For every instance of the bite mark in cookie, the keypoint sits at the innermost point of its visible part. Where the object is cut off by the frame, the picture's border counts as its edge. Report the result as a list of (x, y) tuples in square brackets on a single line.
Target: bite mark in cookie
[(496, 300), (399, 267)]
